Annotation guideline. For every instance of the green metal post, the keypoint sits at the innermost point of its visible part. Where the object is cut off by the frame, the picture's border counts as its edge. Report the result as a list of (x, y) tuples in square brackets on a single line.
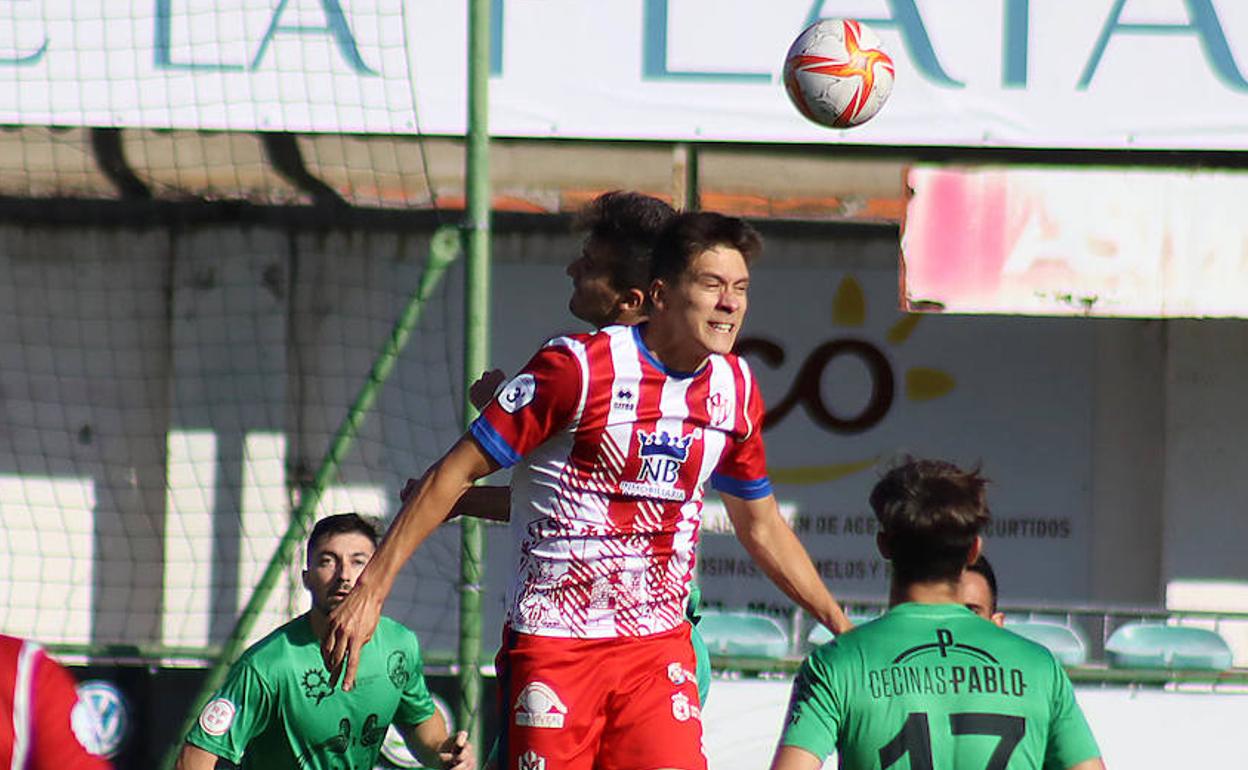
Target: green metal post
[(444, 248), (476, 350)]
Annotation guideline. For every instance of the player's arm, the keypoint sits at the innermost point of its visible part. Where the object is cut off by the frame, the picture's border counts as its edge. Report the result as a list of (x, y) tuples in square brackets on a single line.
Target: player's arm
[(492, 503), (794, 758), (773, 545), (482, 391), (55, 745), (352, 623), (195, 758), (1090, 764), (435, 747)]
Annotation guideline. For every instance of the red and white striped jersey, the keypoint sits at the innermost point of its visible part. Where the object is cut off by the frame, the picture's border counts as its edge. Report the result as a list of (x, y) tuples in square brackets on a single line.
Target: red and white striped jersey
[(607, 502), (40, 714)]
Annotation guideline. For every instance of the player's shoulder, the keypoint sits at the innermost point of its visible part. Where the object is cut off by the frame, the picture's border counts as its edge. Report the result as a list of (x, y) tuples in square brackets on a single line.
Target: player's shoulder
[(396, 631), (276, 646)]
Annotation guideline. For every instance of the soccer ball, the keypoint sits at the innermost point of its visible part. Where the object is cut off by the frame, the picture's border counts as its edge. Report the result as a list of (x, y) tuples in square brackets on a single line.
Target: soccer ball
[(836, 73)]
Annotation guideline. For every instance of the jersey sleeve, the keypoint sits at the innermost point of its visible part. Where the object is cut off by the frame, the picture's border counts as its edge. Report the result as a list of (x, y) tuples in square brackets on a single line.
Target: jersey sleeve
[(742, 470), (415, 703), (236, 714), (813, 721), (63, 725), (529, 409), (1070, 737)]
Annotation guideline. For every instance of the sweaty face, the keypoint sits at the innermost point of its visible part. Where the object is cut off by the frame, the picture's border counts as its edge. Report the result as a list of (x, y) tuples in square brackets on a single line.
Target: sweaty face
[(594, 300), (707, 305), (977, 596), (334, 566)]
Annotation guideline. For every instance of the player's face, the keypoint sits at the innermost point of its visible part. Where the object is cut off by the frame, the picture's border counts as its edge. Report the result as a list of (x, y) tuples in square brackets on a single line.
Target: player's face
[(707, 306), (593, 300), (334, 566), (977, 596)]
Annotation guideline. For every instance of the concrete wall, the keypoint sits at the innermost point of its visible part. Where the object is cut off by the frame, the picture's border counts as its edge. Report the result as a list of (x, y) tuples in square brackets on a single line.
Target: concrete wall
[(164, 393)]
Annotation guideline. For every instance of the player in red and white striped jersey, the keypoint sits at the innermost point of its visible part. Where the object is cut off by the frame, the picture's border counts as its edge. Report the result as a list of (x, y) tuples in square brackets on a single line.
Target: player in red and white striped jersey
[(41, 719), (618, 432)]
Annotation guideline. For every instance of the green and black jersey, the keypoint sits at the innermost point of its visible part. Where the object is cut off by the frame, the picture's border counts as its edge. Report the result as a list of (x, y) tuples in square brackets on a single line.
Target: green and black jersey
[(933, 686), (277, 709)]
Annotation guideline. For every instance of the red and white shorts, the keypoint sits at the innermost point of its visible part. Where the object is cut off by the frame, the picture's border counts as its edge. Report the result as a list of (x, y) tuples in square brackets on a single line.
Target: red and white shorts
[(627, 703)]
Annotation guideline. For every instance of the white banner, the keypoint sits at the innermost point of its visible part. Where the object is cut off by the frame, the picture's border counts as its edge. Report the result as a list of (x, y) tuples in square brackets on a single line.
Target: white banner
[(1074, 241), (1094, 73), (279, 65)]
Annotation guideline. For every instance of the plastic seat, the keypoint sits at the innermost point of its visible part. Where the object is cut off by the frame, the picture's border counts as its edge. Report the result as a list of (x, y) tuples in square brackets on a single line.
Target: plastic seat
[(743, 634), (820, 635), (1152, 645), (1066, 644)]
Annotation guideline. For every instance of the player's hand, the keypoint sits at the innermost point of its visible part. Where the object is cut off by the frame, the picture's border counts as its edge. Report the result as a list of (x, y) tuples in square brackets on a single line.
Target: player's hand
[(456, 753), (841, 623), (351, 625), (482, 391)]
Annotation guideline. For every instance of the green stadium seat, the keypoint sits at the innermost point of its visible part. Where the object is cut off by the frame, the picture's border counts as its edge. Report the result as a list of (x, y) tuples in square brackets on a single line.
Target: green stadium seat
[(819, 635), (743, 634), (1065, 642), (1153, 645)]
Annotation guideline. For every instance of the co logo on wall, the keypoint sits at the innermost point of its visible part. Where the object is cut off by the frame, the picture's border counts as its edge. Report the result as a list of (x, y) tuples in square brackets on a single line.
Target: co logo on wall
[(111, 715)]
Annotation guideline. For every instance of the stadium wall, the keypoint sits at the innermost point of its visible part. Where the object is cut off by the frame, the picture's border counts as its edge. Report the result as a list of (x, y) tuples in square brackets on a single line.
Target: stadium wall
[(167, 389)]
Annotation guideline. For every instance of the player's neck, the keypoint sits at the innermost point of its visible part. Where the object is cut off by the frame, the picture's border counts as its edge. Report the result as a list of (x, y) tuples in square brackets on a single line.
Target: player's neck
[(319, 621), (926, 592), (672, 349)]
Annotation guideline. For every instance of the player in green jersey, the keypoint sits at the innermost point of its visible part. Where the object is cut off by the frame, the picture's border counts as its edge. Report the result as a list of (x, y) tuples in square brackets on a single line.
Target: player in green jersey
[(930, 684), (278, 710), (979, 591)]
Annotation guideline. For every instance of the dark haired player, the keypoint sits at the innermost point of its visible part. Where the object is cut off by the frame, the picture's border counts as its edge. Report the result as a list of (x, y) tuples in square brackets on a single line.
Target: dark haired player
[(930, 685), (979, 590), (616, 434), (279, 709)]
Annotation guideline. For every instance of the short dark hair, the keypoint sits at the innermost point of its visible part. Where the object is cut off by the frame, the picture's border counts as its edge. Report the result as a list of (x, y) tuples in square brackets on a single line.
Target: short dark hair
[(626, 223), (689, 234), (982, 566), (341, 523), (930, 513)]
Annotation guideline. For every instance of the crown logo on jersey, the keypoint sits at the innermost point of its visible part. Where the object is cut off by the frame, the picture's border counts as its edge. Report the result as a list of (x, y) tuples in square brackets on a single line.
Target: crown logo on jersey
[(664, 445)]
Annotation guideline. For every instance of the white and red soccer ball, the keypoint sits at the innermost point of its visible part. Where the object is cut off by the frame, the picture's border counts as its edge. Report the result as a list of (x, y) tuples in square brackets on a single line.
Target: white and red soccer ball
[(836, 73)]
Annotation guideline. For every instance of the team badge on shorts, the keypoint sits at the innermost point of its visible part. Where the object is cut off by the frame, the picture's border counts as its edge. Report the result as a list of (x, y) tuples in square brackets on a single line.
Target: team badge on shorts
[(678, 674), (217, 717), (518, 393), (683, 710), (539, 706), (531, 760)]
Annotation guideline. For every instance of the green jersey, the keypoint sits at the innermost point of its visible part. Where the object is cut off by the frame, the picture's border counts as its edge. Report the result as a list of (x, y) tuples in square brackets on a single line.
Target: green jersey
[(935, 686), (277, 710)]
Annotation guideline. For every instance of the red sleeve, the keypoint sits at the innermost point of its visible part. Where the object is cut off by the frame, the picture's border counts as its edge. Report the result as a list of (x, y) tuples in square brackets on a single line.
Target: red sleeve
[(59, 718), (543, 398), (742, 470)]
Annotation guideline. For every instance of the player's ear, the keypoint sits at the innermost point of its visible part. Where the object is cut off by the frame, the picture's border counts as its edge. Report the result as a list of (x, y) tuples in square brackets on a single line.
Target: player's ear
[(976, 549), (881, 542), (658, 290), (631, 301), (305, 580)]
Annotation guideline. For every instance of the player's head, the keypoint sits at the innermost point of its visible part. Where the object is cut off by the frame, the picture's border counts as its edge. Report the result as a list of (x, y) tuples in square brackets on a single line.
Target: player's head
[(610, 277), (338, 550), (700, 278), (978, 590), (930, 514)]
